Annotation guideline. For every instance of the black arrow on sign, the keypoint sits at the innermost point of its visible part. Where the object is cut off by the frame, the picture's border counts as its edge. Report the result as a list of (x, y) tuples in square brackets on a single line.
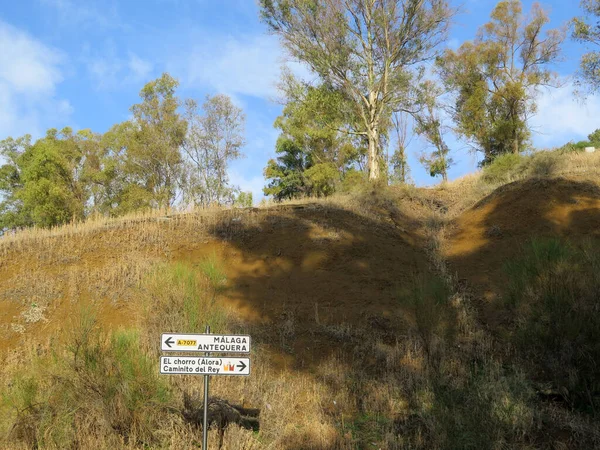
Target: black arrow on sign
[(242, 366), (169, 341)]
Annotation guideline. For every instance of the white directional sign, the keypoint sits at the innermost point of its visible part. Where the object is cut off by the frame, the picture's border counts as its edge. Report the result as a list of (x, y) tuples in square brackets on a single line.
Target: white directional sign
[(216, 343), (198, 365)]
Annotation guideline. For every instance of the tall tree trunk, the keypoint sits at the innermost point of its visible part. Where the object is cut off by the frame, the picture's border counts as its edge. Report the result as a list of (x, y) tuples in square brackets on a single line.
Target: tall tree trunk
[(373, 133), (403, 166), (373, 155), (515, 120)]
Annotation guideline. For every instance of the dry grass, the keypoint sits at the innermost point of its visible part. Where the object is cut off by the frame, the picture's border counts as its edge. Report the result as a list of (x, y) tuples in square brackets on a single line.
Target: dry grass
[(468, 190), (150, 229), (443, 383)]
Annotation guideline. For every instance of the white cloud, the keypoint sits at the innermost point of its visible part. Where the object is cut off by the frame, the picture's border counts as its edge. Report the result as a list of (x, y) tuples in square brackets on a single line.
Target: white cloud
[(562, 117), (139, 68), (26, 64), (29, 74), (112, 72), (244, 65), (104, 71), (85, 13)]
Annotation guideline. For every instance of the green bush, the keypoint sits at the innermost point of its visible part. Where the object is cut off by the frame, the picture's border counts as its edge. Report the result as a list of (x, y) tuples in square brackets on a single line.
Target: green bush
[(580, 146), (321, 179), (490, 407), (462, 397), (554, 294), (102, 389), (541, 164), (593, 141), (244, 200), (503, 169), (182, 297), (353, 181), (435, 318)]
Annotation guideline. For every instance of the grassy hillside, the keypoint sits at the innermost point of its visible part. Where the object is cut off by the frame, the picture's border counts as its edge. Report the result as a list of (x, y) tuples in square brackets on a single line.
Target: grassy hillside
[(462, 316)]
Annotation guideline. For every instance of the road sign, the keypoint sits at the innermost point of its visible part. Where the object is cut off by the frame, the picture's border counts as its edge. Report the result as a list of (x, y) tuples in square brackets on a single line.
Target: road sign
[(216, 343), (204, 365), (201, 365)]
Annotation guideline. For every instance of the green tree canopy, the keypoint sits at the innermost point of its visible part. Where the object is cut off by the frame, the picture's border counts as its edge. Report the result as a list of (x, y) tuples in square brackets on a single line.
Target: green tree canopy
[(587, 30), (367, 50), (495, 77), (44, 183), (153, 139), (594, 137), (137, 164), (316, 145)]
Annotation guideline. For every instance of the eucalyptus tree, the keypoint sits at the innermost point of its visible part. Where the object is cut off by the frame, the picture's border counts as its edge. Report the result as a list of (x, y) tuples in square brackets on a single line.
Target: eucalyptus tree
[(154, 137), (496, 77), (428, 124), (214, 139), (588, 32), (45, 183), (398, 161), (371, 50)]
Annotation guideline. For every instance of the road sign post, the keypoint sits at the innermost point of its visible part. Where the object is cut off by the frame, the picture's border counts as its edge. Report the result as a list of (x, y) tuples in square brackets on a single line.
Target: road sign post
[(204, 365), (205, 418)]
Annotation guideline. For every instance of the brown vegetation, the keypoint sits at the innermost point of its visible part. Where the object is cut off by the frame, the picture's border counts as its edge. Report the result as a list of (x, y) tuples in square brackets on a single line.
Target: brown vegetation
[(370, 317)]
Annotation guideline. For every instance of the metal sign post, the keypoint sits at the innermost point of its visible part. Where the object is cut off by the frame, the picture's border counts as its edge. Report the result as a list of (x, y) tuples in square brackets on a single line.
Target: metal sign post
[(205, 419), (204, 365)]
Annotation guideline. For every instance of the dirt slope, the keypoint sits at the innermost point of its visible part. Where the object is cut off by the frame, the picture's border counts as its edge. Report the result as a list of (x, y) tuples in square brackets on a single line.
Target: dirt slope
[(298, 276), (316, 280), (485, 237)]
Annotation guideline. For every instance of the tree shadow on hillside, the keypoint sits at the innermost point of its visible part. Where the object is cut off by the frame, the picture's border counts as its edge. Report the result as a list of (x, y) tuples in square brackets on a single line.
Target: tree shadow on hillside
[(321, 287), (310, 273), (520, 227), (495, 230), (325, 285)]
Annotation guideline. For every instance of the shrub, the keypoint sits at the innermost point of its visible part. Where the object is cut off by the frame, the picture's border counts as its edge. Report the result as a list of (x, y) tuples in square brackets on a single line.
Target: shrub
[(580, 146), (554, 292), (103, 389), (182, 298), (593, 141), (541, 164), (503, 169), (491, 407), (461, 397), (321, 179), (434, 317), (353, 181)]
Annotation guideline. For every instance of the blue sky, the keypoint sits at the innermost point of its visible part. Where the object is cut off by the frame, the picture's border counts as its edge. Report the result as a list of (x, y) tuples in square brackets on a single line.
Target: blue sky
[(81, 63)]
